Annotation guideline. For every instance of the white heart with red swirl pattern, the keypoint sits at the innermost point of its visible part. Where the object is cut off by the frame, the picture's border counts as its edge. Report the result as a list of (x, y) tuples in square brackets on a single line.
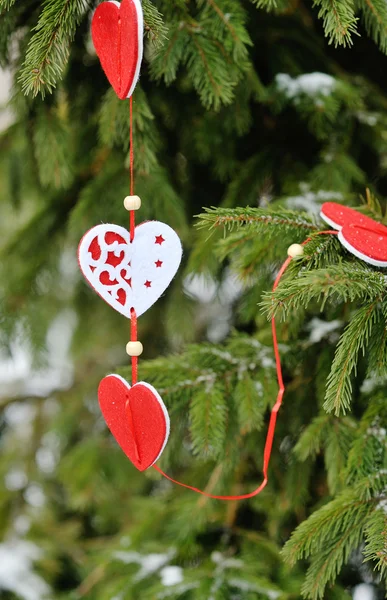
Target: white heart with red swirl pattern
[(130, 274)]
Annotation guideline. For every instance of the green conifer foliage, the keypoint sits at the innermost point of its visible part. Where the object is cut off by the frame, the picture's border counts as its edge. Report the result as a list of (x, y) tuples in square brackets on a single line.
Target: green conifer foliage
[(250, 114)]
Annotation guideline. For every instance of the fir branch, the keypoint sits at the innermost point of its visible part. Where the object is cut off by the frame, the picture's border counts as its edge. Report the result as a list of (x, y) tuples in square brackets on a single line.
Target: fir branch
[(266, 4), (323, 525), (8, 24), (257, 218), (356, 337), (375, 20), (329, 536), (208, 412), (327, 564), (372, 205), (49, 47), (52, 148), (368, 452), (224, 19), (164, 65), (311, 439), (278, 6), (335, 436), (155, 29), (377, 351), (338, 19), (321, 251), (376, 537), (113, 128), (337, 170), (346, 282), (340, 437), (209, 72), (229, 28), (6, 5), (251, 404)]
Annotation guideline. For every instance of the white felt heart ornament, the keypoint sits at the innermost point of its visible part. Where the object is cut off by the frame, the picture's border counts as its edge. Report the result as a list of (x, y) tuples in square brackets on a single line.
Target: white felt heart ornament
[(130, 274)]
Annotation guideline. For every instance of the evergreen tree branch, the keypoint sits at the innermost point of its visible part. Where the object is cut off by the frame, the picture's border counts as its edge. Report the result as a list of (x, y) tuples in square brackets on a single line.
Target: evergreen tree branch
[(6, 5), (208, 412), (356, 337), (269, 5), (368, 452), (209, 72), (257, 218), (338, 19), (8, 21), (311, 440), (377, 352), (49, 47), (52, 146), (329, 536), (224, 19), (346, 281), (376, 537), (375, 20), (333, 435), (154, 26)]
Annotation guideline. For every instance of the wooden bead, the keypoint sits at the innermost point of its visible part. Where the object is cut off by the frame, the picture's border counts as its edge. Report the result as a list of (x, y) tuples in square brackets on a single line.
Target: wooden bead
[(132, 202), (295, 250), (134, 348)]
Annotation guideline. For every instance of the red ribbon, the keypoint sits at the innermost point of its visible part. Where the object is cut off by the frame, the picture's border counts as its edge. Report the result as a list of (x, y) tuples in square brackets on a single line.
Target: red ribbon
[(273, 414)]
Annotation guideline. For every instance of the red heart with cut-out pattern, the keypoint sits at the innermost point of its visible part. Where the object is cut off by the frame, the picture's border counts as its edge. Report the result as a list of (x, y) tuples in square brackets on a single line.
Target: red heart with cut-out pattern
[(117, 31), (136, 417), (360, 235)]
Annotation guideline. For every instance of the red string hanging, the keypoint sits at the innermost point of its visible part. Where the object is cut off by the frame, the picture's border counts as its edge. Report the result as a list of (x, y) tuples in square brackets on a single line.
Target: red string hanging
[(133, 338), (132, 225), (281, 387), (131, 167), (273, 414)]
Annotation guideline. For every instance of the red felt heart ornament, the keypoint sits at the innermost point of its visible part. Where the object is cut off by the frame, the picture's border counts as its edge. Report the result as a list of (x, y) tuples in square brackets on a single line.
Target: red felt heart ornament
[(136, 417), (117, 32), (360, 235)]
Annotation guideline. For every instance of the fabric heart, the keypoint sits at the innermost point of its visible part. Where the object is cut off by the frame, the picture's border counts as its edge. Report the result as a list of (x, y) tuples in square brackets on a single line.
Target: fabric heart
[(130, 274), (117, 32), (136, 417), (360, 235)]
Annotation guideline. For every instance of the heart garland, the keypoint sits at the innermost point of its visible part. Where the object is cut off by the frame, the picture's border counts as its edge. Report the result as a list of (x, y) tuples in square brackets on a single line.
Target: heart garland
[(131, 269), (117, 32), (360, 235)]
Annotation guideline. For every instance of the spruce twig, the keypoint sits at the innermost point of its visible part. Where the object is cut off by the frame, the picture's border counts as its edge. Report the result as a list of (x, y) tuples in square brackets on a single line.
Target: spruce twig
[(49, 47)]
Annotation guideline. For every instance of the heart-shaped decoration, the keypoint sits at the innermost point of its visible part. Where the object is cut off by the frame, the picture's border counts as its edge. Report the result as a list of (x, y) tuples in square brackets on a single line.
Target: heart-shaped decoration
[(117, 32), (130, 274), (136, 417), (360, 235)]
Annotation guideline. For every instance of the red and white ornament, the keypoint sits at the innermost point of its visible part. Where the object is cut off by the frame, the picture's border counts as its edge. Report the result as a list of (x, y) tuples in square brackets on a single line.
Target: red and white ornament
[(130, 274), (136, 417), (117, 33), (360, 235), (130, 270)]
